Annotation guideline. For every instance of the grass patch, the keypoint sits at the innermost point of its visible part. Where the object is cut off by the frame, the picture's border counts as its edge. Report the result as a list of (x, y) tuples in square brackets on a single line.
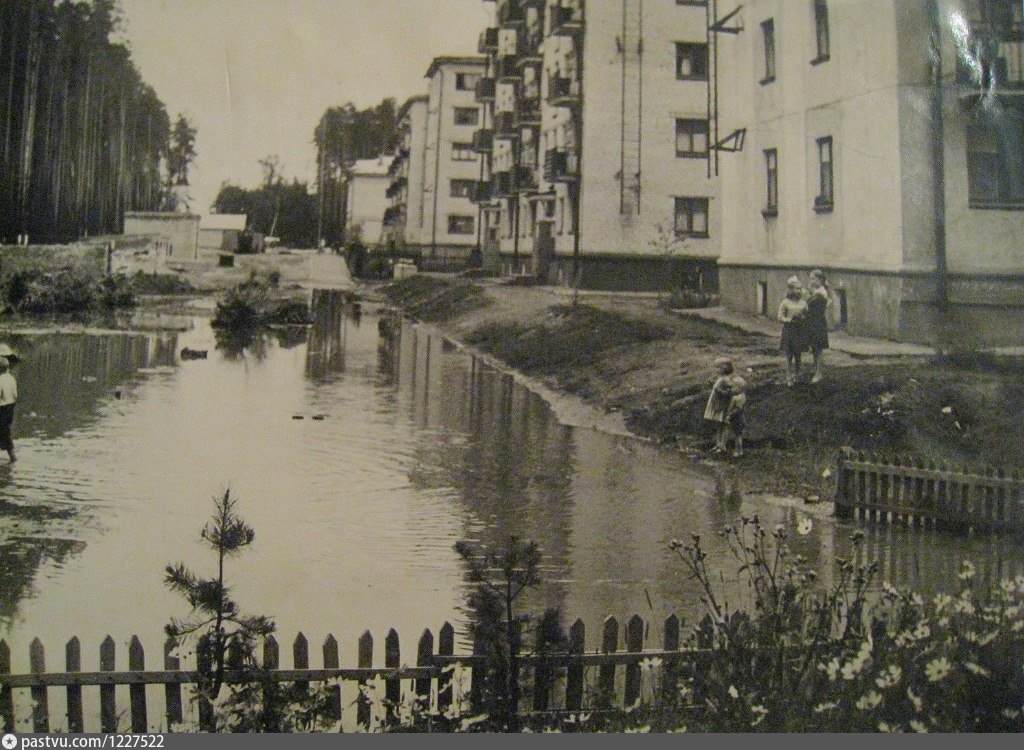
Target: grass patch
[(435, 300), (568, 337)]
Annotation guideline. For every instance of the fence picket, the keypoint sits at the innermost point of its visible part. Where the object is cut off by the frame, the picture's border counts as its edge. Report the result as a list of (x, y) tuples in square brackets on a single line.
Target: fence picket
[(137, 663), (332, 660), (392, 660), (365, 661), (300, 658), (424, 658), (271, 662), (73, 663), (108, 705), (606, 674), (574, 674), (634, 643), (541, 676), (670, 665), (40, 702), (172, 693), (6, 692), (445, 647)]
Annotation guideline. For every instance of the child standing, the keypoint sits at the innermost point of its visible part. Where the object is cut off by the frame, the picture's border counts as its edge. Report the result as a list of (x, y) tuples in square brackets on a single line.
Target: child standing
[(8, 398), (718, 402), (735, 419), (792, 311)]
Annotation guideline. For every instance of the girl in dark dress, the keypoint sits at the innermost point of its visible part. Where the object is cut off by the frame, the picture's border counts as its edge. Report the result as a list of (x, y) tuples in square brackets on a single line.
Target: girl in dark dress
[(792, 311), (816, 324)]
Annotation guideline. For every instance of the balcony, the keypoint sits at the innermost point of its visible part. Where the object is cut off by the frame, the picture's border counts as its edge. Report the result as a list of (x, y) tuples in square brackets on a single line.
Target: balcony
[(488, 41), (396, 165), (996, 62), (528, 112), (506, 70), (566, 20), (563, 92), (501, 184), (525, 178), (559, 165), (511, 15), (483, 192), (505, 125), (485, 90), (483, 141), (393, 215), (528, 49)]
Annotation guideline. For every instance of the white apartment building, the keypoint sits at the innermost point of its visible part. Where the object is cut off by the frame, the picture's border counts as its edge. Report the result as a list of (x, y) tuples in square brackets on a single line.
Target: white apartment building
[(366, 199), (440, 228), (843, 106), (405, 214), (597, 145)]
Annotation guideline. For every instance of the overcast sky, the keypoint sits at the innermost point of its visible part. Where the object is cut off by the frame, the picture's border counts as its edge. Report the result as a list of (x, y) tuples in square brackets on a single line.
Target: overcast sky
[(254, 76)]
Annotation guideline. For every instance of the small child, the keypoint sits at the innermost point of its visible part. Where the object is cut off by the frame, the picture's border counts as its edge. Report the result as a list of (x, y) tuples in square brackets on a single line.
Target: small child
[(735, 421), (8, 398), (718, 402)]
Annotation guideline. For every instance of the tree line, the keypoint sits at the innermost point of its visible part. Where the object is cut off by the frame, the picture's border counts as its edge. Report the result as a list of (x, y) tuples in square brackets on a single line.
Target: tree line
[(82, 137)]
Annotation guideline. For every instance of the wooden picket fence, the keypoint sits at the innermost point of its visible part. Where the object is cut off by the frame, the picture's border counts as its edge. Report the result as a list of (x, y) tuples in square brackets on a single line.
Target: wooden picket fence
[(914, 492), (557, 683)]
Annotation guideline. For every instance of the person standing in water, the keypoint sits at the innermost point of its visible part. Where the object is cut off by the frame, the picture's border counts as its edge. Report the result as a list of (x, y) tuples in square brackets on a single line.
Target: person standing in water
[(8, 398)]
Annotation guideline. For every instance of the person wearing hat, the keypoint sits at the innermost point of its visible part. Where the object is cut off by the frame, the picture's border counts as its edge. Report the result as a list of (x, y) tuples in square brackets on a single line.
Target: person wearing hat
[(792, 314), (8, 398)]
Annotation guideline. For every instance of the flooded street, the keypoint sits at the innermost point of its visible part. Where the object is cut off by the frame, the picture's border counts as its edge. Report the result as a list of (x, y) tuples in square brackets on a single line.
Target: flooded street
[(359, 460)]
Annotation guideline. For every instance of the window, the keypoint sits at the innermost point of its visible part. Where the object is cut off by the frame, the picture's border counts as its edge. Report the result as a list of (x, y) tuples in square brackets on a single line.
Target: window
[(826, 196), (466, 115), (995, 158), (768, 34), (461, 188), (771, 173), (466, 81), (691, 217), (692, 138), (460, 225), (821, 31), (463, 152), (691, 61)]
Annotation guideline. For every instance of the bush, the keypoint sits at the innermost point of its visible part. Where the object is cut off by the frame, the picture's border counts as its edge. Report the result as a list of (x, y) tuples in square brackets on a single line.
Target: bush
[(251, 304), (162, 283), (799, 658)]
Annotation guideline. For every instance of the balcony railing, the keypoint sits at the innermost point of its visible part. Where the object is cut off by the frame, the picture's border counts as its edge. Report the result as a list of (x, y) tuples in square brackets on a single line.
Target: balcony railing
[(997, 59), (485, 90), (501, 184), (395, 187), (559, 165), (528, 112), (563, 91), (488, 41), (506, 69), (483, 141), (505, 125), (566, 20)]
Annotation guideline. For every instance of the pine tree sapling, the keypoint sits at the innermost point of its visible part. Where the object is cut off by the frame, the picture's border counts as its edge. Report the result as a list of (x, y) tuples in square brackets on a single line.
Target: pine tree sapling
[(216, 620)]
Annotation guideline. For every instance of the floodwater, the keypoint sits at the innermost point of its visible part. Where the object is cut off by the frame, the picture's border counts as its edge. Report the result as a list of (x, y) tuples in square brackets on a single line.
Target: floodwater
[(359, 459)]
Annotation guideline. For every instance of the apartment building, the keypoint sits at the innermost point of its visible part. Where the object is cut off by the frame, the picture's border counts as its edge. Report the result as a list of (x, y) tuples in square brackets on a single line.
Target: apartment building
[(366, 199), (405, 212), (440, 168), (898, 172), (596, 144)]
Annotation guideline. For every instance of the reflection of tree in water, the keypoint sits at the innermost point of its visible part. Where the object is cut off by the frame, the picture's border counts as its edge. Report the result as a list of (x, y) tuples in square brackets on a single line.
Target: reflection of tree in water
[(289, 337), (389, 334), (331, 310), (19, 561), (241, 343)]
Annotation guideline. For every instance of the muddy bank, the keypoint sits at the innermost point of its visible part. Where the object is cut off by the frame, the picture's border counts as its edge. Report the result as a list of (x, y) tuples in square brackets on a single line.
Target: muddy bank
[(629, 357)]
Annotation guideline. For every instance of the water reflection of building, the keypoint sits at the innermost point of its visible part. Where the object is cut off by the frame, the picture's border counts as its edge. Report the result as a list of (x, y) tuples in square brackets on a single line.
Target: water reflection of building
[(325, 354)]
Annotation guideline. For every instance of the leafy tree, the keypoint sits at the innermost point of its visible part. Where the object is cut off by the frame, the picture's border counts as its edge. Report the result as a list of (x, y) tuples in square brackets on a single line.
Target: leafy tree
[(182, 151)]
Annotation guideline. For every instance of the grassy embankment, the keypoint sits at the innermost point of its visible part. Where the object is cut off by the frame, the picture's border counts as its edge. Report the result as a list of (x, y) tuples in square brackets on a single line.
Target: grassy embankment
[(628, 355)]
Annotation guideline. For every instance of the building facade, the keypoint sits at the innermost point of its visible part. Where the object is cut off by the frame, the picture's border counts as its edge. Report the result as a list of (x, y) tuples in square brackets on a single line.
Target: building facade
[(597, 144), (432, 217), (899, 173), (366, 200)]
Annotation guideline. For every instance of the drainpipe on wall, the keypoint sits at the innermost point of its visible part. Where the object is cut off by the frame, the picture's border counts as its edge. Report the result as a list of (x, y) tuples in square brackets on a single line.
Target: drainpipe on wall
[(939, 175)]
